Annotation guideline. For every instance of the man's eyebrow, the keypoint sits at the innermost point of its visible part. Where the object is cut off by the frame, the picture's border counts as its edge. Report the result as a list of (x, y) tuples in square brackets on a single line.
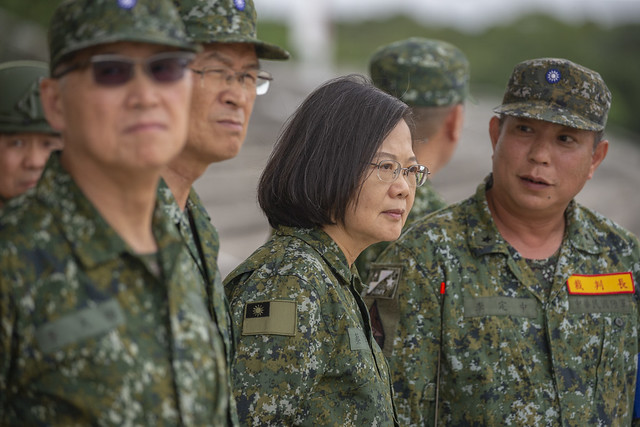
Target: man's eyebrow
[(228, 62)]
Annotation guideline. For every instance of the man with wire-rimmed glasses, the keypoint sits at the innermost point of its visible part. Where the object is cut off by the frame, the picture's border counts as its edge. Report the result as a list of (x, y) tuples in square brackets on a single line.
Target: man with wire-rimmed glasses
[(227, 79)]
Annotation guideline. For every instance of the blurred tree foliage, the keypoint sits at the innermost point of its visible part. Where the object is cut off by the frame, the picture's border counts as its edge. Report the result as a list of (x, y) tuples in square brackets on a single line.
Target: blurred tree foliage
[(612, 51)]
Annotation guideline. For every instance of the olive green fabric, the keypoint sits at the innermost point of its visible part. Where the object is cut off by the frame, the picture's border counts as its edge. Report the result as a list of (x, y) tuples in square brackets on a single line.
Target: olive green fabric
[(80, 24), (226, 21), (331, 371), (206, 265), (20, 106), (532, 360), (558, 91), (142, 350), (421, 72)]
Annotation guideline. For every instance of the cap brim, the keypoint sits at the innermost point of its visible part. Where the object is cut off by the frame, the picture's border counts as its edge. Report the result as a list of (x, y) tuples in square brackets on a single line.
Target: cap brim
[(264, 50), (548, 113)]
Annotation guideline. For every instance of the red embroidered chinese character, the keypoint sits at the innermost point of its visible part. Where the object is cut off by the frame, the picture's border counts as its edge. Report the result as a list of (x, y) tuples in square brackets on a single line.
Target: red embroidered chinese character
[(579, 285), (622, 284), (599, 284)]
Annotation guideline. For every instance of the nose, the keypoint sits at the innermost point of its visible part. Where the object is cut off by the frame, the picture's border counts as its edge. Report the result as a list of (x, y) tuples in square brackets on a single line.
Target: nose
[(539, 151), (403, 187), (236, 92), (36, 155), (143, 90)]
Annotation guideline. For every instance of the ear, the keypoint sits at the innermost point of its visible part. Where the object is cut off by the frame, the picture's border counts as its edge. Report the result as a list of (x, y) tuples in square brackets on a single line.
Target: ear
[(52, 105), (454, 122), (598, 156), (494, 131)]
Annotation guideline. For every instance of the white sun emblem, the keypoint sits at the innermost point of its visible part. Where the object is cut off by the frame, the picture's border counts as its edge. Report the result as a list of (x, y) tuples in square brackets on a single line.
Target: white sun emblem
[(553, 76), (258, 310), (127, 4), (239, 4)]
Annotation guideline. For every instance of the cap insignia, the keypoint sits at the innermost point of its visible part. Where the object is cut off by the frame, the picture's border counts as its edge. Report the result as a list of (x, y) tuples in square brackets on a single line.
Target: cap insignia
[(127, 4), (553, 76), (239, 4)]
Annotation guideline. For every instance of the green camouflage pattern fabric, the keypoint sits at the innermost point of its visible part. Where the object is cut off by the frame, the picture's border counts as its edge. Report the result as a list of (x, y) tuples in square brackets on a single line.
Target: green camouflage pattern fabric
[(326, 369), (93, 333), (80, 24), (511, 353), (226, 21), (421, 72), (20, 106), (427, 200), (557, 91), (208, 267)]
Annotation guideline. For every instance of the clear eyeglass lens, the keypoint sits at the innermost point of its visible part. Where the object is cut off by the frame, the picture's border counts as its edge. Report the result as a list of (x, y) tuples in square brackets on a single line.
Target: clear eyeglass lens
[(389, 170)]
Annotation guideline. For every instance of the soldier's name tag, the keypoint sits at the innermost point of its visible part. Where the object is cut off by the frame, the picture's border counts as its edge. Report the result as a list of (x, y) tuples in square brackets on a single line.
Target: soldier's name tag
[(384, 281), (500, 306), (601, 284), (274, 317), (82, 324), (357, 339)]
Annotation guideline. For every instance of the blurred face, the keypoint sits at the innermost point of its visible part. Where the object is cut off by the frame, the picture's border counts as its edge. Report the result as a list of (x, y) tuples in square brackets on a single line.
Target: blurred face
[(220, 110), (136, 126), (538, 167), (22, 159), (382, 208)]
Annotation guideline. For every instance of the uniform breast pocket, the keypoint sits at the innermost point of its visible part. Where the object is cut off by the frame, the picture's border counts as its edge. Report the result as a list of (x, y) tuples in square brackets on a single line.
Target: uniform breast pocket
[(79, 325)]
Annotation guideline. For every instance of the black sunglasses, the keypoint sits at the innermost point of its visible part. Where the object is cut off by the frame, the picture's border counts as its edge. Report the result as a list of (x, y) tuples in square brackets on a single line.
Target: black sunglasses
[(114, 70)]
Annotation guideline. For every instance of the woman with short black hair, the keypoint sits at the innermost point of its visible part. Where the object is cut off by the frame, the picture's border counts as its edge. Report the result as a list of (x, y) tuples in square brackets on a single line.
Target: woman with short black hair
[(305, 352)]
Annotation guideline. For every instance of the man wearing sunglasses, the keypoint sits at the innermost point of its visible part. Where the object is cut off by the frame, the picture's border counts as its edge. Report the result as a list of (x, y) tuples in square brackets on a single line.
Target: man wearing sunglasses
[(227, 79), (104, 320)]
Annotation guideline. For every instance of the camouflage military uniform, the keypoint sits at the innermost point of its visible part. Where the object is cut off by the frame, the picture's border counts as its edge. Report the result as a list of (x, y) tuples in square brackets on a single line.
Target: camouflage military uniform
[(206, 262), (305, 354), (93, 333), (427, 200), (511, 354)]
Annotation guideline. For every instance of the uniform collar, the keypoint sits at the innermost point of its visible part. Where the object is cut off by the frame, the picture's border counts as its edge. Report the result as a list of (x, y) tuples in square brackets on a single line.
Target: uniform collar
[(92, 239), (326, 247), (484, 237)]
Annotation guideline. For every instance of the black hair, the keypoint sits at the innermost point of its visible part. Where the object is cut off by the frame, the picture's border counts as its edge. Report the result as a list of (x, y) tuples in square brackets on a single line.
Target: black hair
[(324, 152)]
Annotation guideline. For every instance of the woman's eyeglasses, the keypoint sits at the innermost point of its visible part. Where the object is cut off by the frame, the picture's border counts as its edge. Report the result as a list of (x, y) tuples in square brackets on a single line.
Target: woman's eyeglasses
[(115, 70), (389, 171)]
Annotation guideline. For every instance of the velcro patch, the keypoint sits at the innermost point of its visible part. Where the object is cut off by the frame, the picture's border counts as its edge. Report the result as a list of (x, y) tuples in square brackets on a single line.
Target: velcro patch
[(500, 306), (85, 323), (357, 339), (275, 317), (601, 284), (384, 281)]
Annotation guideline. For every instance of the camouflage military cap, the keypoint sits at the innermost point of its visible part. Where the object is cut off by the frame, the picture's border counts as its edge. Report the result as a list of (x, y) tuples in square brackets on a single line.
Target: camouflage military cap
[(421, 72), (79, 24), (226, 21), (20, 107), (557, 91)]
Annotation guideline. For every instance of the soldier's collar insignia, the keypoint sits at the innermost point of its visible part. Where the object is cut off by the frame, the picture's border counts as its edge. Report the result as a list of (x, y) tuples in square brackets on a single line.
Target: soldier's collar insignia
[(239, 4), (553, 76), (127, 4), (601, 284)]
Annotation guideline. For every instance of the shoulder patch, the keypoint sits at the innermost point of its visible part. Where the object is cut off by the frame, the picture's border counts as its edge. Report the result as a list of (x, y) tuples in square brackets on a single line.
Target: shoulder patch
[(384, 281), (275, 317), (601, 284)]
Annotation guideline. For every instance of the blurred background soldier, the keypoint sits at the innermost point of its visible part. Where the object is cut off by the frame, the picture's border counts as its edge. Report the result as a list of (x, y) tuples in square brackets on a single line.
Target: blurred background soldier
[(104, 320), (26, 139), (227, 78), (432, 77)]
